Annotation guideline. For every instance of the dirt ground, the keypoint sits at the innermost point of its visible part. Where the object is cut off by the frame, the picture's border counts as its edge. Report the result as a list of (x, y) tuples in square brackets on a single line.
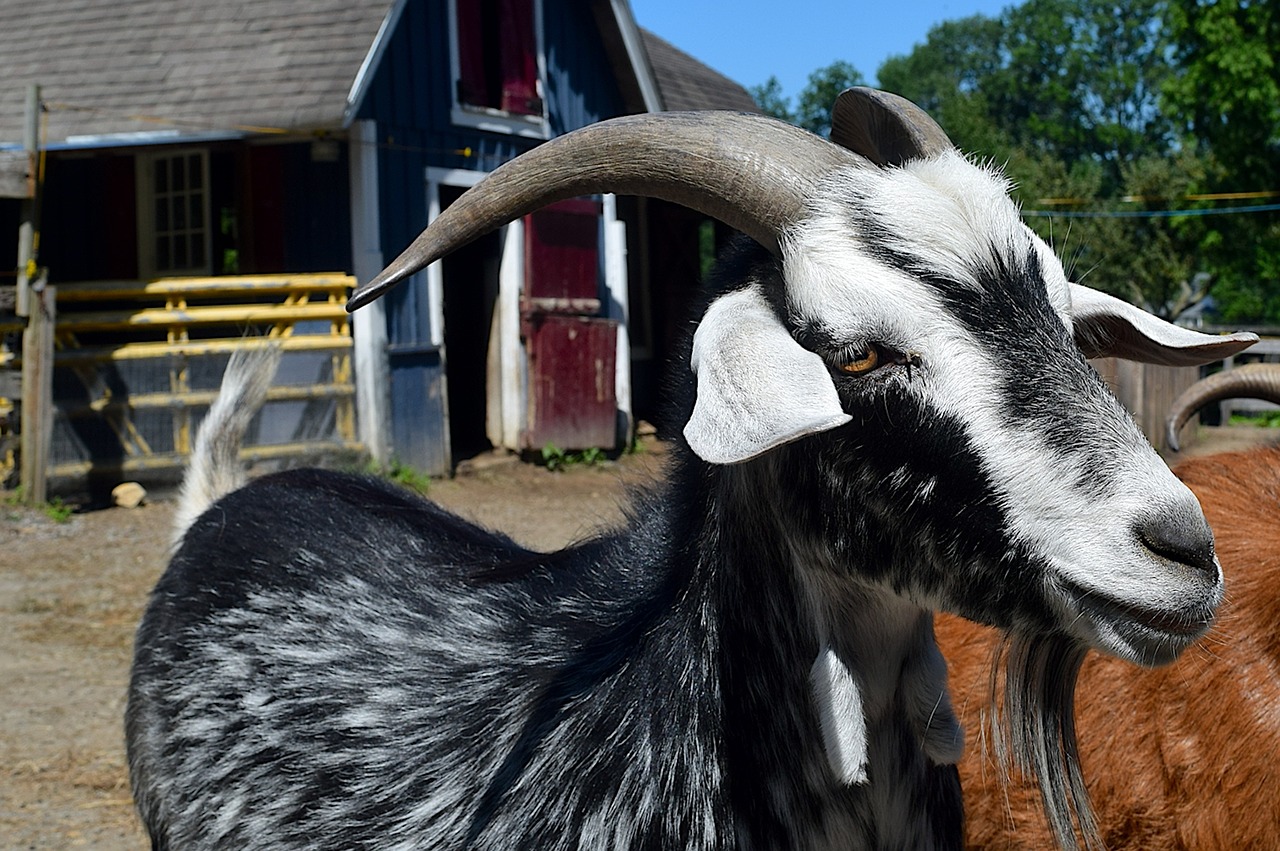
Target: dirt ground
[(71, 594)]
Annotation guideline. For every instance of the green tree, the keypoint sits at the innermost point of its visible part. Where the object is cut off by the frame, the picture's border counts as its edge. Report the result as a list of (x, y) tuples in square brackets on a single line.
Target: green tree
[(949, 75), (1225, 98), (813, 105), (772, 101), (1071, 78), (1071, 96)]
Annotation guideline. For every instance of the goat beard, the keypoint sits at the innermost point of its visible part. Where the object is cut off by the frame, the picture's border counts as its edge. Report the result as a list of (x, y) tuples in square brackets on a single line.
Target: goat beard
[(1033, 728)]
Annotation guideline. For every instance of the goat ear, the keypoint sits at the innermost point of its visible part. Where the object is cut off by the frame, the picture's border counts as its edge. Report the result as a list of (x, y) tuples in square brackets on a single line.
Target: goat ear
[(757, 387), (1105, 326), (885, 128)]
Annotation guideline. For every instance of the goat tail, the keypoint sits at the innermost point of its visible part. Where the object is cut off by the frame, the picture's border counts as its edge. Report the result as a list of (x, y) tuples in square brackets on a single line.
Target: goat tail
[(214, 469)]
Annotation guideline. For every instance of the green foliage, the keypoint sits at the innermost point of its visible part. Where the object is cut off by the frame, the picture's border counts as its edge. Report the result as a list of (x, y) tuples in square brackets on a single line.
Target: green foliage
[(1226, 93), (1225, 98), (1260, 419), (58, 511), (1104, 111), (772, 101), (402, 474), (557, 460), (55, 509), (1117, 110), (813, 105)]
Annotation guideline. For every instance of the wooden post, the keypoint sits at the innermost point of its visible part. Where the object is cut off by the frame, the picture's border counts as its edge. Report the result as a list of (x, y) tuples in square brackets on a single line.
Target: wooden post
[(27, 215), (37, 393)]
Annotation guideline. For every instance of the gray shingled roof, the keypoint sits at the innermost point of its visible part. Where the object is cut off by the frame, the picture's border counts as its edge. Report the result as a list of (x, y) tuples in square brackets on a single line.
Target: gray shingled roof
[(201, 65), (686, 83)]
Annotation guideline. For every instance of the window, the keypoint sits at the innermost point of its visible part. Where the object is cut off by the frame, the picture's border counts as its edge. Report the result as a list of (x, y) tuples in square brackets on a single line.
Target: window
[(173, 214), (495, 66)]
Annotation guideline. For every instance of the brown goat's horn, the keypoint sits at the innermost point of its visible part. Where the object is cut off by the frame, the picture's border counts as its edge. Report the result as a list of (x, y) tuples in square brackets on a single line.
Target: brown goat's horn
[(751, 172), (885, 128), (1254, 381)]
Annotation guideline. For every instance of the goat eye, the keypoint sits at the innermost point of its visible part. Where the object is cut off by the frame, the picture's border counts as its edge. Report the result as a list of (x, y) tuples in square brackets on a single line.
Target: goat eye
[(861, 362)]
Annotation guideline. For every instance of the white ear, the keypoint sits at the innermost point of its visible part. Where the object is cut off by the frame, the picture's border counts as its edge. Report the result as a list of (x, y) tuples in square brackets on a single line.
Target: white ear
[(757, 387), (1105, 326)]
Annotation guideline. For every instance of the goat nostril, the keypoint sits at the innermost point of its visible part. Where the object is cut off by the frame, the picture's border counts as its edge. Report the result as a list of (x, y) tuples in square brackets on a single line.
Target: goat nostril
[(1180, 536)]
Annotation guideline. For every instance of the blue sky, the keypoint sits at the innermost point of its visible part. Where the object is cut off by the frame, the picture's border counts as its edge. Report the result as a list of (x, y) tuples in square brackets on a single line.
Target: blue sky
[(749, 40)]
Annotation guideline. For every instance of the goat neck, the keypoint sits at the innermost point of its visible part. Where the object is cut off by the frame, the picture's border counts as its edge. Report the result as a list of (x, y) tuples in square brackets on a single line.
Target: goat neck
[(801, 773)]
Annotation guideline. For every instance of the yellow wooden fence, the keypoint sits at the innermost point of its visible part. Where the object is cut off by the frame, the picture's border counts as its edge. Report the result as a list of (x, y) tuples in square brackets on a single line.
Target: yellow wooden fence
[(162, 333)]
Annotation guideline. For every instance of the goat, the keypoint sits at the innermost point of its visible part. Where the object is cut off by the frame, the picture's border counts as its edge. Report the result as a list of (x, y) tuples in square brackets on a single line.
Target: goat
[(1182, 757), (886, 410)]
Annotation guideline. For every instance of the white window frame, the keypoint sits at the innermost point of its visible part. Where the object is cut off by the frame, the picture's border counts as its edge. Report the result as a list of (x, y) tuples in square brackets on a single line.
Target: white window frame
[(498, 120), (144, 169)]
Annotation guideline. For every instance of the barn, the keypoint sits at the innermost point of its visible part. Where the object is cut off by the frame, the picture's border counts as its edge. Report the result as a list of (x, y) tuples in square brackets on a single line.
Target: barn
[(209, 170)]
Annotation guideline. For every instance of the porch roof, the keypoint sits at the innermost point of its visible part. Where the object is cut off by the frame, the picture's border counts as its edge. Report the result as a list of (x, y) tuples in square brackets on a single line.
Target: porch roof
[(151, 69)]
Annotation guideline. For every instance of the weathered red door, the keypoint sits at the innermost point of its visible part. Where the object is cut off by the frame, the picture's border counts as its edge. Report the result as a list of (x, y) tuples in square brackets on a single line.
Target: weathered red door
[(571, 348)]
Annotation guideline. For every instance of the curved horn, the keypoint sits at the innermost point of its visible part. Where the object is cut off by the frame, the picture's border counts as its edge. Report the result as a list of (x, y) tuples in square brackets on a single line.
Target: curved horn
[(751, 172), (1253, 381), (885, 128)]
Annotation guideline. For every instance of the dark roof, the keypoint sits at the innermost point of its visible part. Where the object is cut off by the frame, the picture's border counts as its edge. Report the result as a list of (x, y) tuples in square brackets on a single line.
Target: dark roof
[(685, 83), (195, 65), (194, 68)]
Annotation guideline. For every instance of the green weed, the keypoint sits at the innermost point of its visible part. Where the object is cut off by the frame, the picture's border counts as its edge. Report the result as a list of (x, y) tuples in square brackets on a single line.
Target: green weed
[(556, 459)]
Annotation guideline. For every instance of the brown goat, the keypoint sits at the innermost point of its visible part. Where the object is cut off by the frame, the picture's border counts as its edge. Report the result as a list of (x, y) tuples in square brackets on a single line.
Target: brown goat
[(1181, 757)]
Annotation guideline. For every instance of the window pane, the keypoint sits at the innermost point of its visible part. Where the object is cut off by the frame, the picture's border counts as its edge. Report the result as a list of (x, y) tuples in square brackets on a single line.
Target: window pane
[(179, 177), (162, 215), (195, 175), (179, 214), (180, 252), (163, 261), (162, 175), (197, 212)]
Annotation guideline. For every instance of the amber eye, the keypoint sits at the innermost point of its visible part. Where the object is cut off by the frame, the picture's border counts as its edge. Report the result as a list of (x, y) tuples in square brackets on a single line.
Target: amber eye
[(862, 362)]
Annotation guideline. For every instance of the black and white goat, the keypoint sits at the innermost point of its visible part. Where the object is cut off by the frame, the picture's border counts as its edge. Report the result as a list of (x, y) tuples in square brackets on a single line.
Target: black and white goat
[(887, 411)]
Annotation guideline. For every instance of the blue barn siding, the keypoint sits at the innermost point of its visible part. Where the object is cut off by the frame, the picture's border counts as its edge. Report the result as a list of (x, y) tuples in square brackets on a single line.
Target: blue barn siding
[(580, 87), (317, 215), (410, 100)]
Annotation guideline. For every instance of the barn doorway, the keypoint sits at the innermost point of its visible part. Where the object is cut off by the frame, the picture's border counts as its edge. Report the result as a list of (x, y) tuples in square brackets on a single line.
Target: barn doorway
[(470, 290)]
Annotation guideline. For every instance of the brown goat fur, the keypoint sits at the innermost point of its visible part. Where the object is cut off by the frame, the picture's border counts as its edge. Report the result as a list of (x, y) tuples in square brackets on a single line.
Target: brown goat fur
[(1181, 757)]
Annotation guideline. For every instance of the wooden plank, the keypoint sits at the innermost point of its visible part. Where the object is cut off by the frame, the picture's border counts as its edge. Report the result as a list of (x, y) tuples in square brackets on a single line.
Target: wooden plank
[(572, 401), (204, 398), (228, 286), (37, 394), (196, 348), (231, 314), (175, 460), (17, 174), (1147, 391)]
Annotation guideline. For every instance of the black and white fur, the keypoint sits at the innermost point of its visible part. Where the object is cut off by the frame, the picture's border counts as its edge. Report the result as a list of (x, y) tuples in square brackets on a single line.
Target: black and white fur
[(749, 662)]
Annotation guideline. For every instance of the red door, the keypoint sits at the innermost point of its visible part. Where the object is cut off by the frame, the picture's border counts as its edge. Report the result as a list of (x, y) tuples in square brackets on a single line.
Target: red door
[(571, 348)]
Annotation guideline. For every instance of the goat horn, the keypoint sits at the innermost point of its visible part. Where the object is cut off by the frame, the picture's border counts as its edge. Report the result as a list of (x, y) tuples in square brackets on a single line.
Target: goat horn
[(885, 128), (751, 172), (1254, 381)]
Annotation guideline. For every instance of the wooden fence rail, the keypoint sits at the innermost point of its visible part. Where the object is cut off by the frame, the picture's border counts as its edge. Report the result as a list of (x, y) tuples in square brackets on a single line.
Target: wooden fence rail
[(138, 362)]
